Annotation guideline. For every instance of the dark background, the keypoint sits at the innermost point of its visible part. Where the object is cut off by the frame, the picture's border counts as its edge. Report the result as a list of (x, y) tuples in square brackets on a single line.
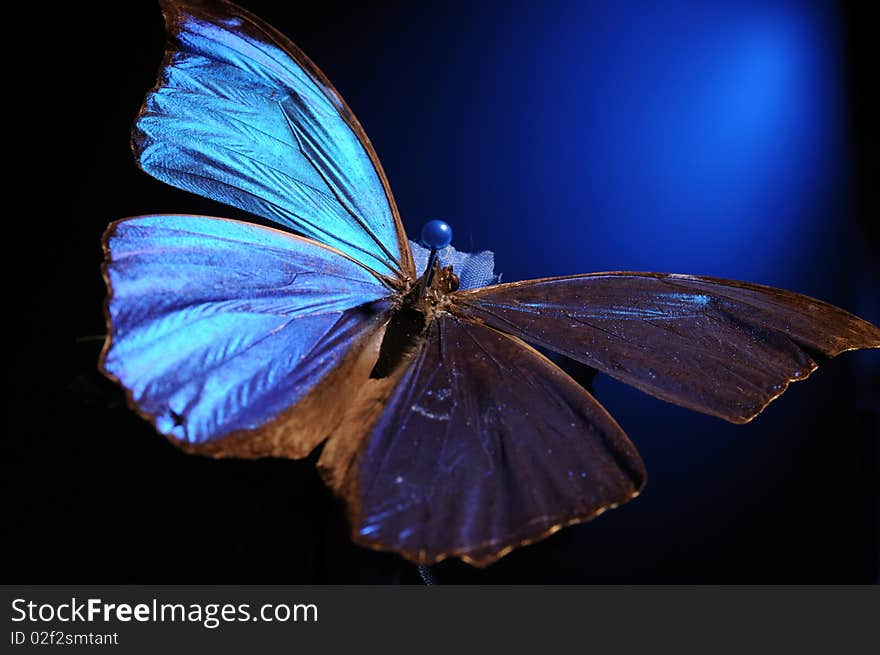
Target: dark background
[(728, 138)]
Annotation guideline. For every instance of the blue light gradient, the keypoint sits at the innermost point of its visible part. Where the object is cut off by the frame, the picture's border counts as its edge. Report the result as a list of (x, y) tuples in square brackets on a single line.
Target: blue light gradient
[(688, 137)]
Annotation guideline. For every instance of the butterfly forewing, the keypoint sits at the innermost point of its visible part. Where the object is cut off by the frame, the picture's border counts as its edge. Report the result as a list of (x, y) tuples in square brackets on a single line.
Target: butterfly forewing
[(218, 327), (480, 445), (242, 116), (716, 346)]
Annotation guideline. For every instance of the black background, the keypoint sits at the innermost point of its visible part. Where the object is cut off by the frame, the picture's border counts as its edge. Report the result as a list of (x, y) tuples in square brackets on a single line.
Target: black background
[(92, 494)]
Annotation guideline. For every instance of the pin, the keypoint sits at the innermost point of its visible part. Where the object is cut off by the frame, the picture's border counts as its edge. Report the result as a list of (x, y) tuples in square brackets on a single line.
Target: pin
[(436, 235)]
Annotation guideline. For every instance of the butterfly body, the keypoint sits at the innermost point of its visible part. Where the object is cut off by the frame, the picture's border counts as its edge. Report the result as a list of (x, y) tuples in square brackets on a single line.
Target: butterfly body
[(412, 370)]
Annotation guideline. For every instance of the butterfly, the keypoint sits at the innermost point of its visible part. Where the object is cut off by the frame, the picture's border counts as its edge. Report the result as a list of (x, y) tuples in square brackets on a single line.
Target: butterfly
[(413, 369)]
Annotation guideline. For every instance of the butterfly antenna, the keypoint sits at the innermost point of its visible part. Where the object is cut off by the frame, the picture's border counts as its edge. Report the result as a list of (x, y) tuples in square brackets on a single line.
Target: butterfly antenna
[(429, 272), (436, 235), (427, 576)]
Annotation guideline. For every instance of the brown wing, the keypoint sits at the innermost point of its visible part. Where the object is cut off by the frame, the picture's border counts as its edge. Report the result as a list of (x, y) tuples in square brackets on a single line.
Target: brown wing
[(480, 445), (716, 346)]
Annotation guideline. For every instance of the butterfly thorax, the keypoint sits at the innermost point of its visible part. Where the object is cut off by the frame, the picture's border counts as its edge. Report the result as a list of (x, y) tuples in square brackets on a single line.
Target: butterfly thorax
[(436, 296), (415, 308)]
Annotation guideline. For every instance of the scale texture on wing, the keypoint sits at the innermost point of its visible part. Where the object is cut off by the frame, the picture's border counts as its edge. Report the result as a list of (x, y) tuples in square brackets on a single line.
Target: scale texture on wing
[(240, 115), (217, 326), (716, 346), (484, 445)]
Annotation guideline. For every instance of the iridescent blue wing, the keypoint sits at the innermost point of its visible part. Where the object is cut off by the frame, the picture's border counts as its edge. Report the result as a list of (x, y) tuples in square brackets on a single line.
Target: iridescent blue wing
[(478, 445), (218, 329), (719, 347), (242, 116)]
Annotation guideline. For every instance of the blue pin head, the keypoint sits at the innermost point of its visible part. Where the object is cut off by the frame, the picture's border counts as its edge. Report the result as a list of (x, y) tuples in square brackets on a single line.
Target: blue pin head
[(436, 234)]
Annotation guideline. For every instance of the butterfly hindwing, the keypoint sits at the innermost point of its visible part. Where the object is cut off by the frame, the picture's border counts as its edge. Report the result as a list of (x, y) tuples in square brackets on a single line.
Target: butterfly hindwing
[(218, 327), (716, 346), (479, 445), (242, 116)]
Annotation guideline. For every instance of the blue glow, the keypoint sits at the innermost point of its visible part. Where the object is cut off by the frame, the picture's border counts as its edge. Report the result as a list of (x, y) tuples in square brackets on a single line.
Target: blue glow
[(688, 137)]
